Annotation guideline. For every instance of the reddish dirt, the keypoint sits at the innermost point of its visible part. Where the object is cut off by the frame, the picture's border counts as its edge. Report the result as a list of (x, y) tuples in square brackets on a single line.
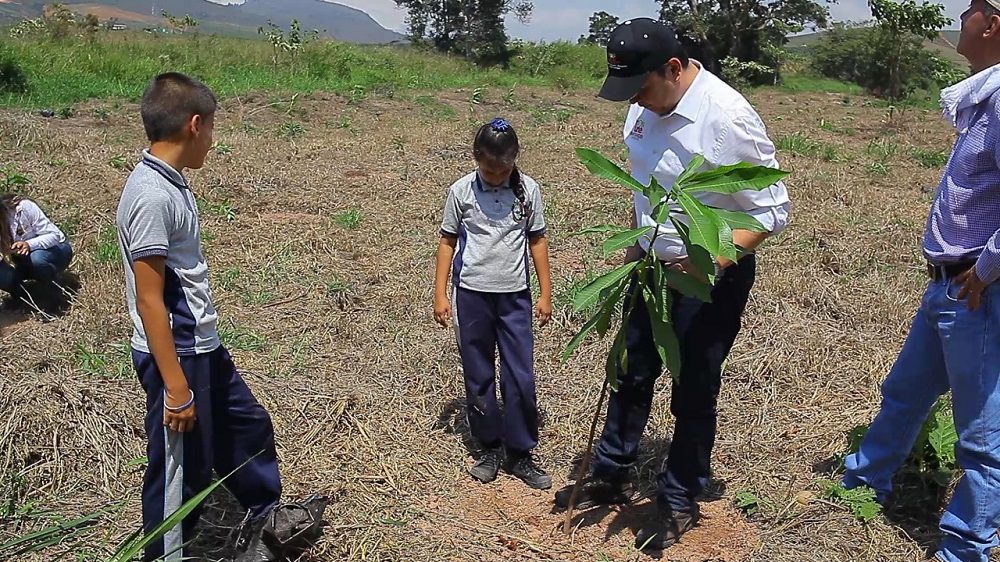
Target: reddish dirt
[(518, 523), (106, 12)]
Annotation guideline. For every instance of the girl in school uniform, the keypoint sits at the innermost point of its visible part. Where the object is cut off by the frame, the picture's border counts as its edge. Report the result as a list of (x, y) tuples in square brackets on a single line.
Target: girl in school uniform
[(493, 220), (31, 246)]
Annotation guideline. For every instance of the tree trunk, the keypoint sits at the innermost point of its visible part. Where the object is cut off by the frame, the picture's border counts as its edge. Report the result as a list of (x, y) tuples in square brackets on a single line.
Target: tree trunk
[(585, 462)]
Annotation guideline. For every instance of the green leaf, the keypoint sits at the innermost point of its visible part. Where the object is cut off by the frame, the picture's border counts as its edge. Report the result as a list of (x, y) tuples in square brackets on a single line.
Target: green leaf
[(138, 461), (131, 548), (942, 435), (664, 336), (703, 228), (707, 229), (589, 294), (699, 256), (582, 334), (604, 168), (688, 285), (625, 239), (611, 305), (599, 229), (656, 194), (49, 536), (601, 320), (615, 359), (733, 179), (739, 221), (697, 161)]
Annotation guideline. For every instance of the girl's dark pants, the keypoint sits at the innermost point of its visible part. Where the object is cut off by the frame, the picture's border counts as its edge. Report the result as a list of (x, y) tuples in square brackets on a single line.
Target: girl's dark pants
[(485, 323)]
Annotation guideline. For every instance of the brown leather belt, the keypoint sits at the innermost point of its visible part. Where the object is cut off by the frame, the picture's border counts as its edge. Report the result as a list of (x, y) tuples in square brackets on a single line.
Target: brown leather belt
[(947, 271)]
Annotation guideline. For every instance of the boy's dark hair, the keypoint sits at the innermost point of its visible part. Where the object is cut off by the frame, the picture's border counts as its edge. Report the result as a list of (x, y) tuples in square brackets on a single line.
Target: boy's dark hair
[(8, 202), (169, 102), (498, 141)]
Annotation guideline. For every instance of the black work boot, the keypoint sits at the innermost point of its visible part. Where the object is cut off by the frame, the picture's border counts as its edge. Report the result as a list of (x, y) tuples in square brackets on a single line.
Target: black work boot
[(487, 465), (250, 543), (525, 466), (597, 492), (666, 529)]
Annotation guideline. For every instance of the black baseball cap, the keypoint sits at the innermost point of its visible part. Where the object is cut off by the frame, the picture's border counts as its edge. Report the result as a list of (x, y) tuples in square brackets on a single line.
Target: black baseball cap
[(635, 49)]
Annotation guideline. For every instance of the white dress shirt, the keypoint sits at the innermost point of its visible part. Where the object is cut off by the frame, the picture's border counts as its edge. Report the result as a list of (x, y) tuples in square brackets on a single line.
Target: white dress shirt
[(29, 224), (716, 121)]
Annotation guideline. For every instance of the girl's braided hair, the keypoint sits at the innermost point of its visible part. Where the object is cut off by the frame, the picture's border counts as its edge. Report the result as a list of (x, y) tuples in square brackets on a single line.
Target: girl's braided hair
[(8, 202), (497, 141)]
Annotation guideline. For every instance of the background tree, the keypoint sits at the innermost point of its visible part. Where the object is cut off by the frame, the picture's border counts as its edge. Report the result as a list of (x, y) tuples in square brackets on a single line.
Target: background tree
[(58, 21), (743, 30), (90, 26), (889, 58), (472, 28), (601, 26), (179, 25)]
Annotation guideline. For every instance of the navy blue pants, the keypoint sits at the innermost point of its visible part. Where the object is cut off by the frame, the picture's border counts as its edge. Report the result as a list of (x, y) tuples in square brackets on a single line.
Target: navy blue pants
[(706, 332), (486, 322), (42, 265), (231, 428)]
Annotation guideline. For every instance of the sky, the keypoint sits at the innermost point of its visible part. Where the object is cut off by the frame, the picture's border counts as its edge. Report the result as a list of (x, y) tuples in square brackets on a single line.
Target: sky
[(568, 19)]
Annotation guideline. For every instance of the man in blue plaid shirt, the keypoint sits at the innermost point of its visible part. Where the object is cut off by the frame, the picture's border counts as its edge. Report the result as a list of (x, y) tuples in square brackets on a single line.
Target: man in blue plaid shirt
[(954, 342)]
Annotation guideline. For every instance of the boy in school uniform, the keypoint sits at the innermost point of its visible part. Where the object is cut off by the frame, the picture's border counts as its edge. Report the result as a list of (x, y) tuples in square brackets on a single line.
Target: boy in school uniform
[(200, 414)]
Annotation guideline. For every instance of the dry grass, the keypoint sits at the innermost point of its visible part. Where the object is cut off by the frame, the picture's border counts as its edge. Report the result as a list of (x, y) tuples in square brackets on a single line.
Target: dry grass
[(329, 319)]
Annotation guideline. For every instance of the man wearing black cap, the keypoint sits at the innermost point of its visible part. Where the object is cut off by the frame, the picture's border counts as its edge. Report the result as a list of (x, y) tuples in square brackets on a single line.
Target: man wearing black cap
[(678, 109)]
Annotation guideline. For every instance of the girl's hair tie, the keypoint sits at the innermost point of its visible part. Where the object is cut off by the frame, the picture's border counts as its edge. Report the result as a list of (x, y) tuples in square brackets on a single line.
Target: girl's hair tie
[(500, 125)]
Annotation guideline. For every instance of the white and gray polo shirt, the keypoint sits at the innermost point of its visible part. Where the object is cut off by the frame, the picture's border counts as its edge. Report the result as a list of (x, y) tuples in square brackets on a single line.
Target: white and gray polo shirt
[(158, 216), (493, 229)]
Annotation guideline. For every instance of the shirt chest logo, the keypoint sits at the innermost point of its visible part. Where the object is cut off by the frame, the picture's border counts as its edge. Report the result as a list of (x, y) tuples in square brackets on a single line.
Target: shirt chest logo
[(637, 131)]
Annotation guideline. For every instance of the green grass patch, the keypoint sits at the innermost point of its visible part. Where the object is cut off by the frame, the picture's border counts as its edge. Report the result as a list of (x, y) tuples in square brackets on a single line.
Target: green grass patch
[(60, 74), (930, 158), (107, 245), (350, 219)]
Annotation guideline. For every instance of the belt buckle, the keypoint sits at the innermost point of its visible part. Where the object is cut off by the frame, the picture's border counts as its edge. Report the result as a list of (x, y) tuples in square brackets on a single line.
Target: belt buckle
[(936, 272)]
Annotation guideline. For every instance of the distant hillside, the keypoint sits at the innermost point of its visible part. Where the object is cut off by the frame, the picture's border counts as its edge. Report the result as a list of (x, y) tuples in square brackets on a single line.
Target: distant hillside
[(943, 46), (331, 19)]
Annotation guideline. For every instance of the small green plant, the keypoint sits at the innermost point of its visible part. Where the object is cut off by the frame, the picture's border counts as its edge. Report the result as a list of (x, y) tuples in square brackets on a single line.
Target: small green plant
[(223, 209), (748, 502), (358, 94), (859, 501), (476, 98), (234, 337), (883, 149), (707, 234), (798, 144), (102, 114), (114, 364), (878, 169), (118, 162), (510, 98), (291, 130), (65, 112), (12, 178), (930, 158), (107, 246), (222, 148), (350, 219), (290, 43)]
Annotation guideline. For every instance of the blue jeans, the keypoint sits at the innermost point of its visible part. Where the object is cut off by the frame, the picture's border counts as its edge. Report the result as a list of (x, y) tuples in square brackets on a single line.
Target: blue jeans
[(42, 265), (949, 347)]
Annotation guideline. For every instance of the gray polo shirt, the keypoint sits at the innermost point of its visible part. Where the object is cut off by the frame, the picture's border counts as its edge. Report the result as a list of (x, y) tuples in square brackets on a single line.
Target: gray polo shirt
[(493, 229), (158, 216)]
